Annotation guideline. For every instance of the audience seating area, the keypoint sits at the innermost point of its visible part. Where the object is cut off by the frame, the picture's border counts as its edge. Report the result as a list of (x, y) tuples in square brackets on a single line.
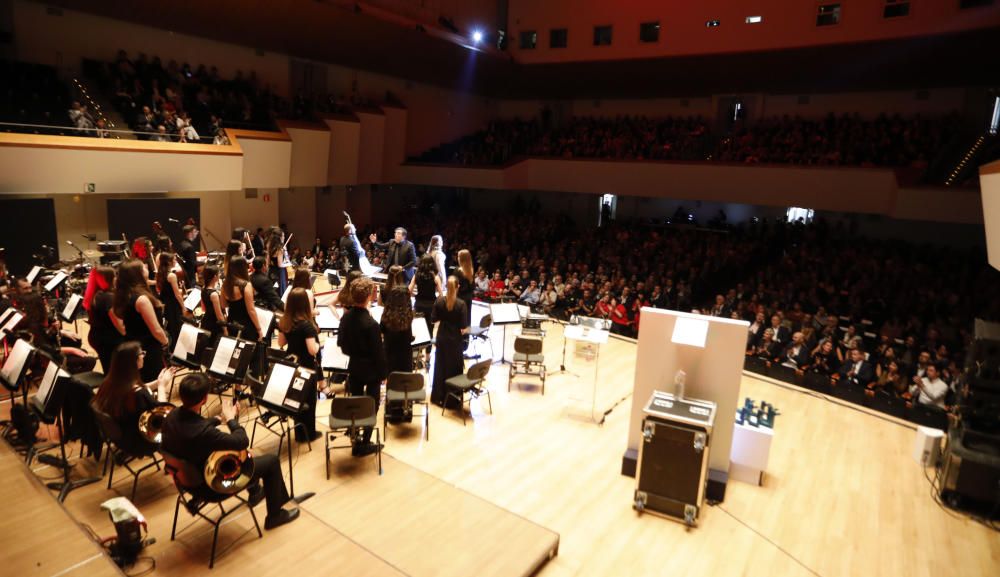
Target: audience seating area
[(180, 102), (34, 95), (893, 300)]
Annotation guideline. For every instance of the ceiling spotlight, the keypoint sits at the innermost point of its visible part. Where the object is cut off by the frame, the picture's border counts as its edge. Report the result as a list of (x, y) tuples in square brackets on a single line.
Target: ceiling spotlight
[(477, 36)]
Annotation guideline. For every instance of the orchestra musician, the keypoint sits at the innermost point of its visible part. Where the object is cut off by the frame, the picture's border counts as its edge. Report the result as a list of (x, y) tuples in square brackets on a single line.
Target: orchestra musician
[(214, 319), (139, 311), (106, 329), (171, 290), (452, 325), (263, 287), (349, 248), (188, 253), (298, 331), (277, 258), (189, 436), (238, 295), (360, 339), (124, 397)]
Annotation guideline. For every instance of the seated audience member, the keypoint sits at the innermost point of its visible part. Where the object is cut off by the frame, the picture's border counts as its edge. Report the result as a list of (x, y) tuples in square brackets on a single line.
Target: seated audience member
[(189, 436), (531, 295), (856, 370), (756, 331), (929, 389), (890, 380), (824, 361), (796, 354)]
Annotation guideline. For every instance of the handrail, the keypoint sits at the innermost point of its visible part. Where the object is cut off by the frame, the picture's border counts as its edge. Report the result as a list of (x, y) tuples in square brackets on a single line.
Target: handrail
[(92, 132)]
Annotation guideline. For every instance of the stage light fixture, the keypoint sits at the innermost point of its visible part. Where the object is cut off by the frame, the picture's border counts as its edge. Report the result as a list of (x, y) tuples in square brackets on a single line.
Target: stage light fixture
[(477, 36)]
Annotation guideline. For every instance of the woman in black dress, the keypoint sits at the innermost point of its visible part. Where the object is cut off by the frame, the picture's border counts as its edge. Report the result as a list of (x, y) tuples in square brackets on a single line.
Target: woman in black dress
[(466, 286), (106, 330), (298, 331), (303, 280), (139, 310), (123, 397), (360, 339), (46, 334), (237, 294), (449, 313), (397, 334), (425, 286), (171, 289), (214, 320)]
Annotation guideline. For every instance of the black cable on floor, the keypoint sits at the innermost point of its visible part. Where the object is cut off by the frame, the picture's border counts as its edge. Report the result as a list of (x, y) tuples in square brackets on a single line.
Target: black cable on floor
[(766, 538)]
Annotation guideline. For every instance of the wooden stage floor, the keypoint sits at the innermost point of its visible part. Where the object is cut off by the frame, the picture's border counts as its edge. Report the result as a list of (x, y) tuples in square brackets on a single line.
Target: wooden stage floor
[(842, 497)]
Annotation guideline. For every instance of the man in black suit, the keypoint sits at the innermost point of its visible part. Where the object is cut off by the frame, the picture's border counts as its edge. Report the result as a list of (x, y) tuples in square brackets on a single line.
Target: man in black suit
[(189, 436), (796, 354), (349, 248), (399, 251), (258, 241), (360, 339), (265, 294), (779, 332), (189, 254), (856, 369)]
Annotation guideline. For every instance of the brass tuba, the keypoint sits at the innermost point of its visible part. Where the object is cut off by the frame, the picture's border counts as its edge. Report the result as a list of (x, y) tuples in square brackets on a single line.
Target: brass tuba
[(229, 472), (151, 422)]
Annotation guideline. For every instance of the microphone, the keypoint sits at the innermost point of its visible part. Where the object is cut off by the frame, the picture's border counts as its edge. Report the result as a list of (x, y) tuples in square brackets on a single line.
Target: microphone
[(69, 242), (174, 220)]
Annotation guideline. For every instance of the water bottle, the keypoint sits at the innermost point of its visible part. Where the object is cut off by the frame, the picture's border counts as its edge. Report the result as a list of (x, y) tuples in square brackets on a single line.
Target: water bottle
[(679, 384)]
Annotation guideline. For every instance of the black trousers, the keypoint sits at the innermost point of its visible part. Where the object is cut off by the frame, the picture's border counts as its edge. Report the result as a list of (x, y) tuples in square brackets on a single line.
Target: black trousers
[(305, 423), (359, 387), (266, 469)]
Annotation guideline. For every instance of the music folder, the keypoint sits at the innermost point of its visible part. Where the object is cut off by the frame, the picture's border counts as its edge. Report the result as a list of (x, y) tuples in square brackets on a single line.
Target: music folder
[(193, 299), (33, 274), (232, 358), (284, 387), (421, 335), (266, 320), (72, 307), (333, 358)]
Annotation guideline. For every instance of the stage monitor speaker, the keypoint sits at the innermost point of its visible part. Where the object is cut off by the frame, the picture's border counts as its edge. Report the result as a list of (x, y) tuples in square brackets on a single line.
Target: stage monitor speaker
[(970, 477)]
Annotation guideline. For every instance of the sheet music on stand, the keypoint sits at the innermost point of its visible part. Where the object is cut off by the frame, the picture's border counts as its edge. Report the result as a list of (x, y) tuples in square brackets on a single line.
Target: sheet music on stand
[(55, 281), (326, 319), (193, 299), (16, 364), (371, 270), (334, 359), (421, 335), (190, 346), (284, 386), (33, 274), (284, 295), (505, 313), (72, 307), (232, 358), (266, 320), (376, 312), (9, 319), (43, 397)]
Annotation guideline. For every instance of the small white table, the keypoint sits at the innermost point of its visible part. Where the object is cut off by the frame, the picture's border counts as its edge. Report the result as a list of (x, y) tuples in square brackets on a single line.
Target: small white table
[(749, 455)]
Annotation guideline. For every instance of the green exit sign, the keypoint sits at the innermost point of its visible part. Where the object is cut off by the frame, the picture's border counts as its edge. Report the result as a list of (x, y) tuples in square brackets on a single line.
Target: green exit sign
[(90, 187)]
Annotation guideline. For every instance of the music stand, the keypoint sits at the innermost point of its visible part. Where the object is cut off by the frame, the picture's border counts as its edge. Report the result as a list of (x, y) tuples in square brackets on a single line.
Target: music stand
[(231, 359), (190, 348), (16, 365), (71, 311), (266, 320), (9, 319), (283, 393), (505, 314), (333, 360), (47, 405), (332, 277)]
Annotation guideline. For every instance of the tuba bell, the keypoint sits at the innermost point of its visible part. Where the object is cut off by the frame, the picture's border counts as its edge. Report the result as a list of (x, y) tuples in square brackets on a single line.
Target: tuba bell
[(229, 472), (151, 423)]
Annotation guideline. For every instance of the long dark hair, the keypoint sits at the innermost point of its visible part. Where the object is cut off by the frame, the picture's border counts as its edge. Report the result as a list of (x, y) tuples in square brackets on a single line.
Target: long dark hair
[(167, 260), (452, 292), (297, 309), (344, 298), (398, 314), (426, 267), (394, 278), (232, 249), (238, 271), (302, 278), (131, 282), (115, 395)]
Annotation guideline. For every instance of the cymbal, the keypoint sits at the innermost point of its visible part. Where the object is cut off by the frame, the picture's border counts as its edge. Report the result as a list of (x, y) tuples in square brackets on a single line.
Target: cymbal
[(91, 253)]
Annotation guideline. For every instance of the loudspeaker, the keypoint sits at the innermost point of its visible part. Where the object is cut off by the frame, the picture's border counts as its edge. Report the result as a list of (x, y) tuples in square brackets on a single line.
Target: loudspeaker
[(715, 491)]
